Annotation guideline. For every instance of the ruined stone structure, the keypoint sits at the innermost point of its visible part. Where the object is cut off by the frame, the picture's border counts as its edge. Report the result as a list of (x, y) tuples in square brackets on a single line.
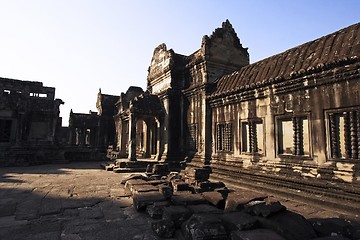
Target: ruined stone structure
[(29, 123), (291, 120), (174, 107), (92, 133)]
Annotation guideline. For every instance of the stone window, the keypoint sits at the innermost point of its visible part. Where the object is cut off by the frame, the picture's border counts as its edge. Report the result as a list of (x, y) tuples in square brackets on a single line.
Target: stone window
[(252, 136), (224, 137), (5, 130), (293, 136), (344, 133), (192, 137)]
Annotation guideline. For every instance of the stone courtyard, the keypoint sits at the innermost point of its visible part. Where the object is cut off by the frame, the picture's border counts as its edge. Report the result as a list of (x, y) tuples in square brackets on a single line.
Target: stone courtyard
[(82, 201)]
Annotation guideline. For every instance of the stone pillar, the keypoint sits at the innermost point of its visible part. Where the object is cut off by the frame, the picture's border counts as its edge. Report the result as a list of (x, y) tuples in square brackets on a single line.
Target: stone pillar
[(147, 140), (165, 133), (208, 133), (158, 140), (132, 137)]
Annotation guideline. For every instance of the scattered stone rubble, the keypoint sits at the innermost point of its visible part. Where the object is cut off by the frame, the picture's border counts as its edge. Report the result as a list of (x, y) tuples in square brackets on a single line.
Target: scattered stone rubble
[(187, 205)]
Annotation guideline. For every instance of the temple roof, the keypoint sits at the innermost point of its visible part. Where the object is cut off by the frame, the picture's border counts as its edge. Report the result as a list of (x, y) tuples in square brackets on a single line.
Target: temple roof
[(336, 47)]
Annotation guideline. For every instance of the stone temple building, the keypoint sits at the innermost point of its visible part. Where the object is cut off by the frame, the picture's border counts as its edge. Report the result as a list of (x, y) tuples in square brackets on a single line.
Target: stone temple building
[(30, 126), (292, 119), (91, 134)]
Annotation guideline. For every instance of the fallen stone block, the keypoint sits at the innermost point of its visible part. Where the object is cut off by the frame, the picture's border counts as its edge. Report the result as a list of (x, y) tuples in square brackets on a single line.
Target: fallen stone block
[(177, 214), (132, 182), (179, 185), (224, 192), (143, 188), (160, 169), (237, 200), (173, 176), (264, 208), (103, 165), (141, 200), (256, 234), (148, 170), (155, 210), (288, 224), (109, 167), (204, 226), (166, 190), (199, 174), (333, 227), (156, 182), (210, 186), (154, 177), (134, 176), (215, 198), (185, 198), (238, 221), (204, 208), (163, 228)]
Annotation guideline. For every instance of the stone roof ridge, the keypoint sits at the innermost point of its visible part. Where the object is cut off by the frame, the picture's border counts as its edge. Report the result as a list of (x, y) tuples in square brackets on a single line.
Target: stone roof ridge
[(338, 48)]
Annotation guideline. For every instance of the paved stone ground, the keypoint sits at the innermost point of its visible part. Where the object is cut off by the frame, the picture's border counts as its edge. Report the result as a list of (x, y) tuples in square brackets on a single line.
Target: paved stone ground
[(81, 201)]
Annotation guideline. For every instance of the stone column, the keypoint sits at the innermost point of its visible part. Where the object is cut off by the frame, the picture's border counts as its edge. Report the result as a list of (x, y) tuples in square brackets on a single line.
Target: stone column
[(165, 132), (132, 138), (147, 139), (206, 129), (122, 138), (158, 140)]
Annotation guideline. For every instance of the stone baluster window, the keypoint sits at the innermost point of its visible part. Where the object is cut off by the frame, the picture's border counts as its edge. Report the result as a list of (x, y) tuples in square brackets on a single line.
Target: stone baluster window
[(224, 137), (252, 136), (293, 136), (344, 134)]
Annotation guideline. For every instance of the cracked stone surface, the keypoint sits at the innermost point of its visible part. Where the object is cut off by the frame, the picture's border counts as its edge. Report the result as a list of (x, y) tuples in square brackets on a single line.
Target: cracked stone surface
[(68, 202), (80, 201)]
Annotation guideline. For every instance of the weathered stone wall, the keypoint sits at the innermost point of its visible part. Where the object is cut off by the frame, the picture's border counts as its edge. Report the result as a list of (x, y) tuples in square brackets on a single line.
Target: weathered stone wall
[(312, 98), (29, 123)]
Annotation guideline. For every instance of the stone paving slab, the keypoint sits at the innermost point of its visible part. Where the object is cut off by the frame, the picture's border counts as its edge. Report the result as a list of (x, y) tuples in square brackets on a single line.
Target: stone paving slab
[(82, 201)]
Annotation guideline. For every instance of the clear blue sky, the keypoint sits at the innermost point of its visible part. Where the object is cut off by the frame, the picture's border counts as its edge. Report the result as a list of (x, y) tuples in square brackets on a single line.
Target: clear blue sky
[(79, 46)]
